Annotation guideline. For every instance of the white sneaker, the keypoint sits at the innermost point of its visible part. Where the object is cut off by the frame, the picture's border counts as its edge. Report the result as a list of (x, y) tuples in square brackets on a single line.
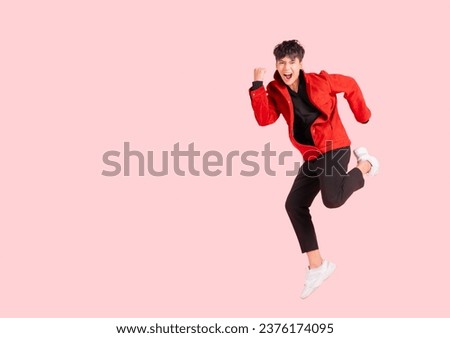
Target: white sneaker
[(362, 154), (315, 277)]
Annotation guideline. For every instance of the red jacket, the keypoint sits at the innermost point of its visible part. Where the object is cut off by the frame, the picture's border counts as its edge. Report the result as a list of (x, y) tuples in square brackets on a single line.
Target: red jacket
[(327, 130)]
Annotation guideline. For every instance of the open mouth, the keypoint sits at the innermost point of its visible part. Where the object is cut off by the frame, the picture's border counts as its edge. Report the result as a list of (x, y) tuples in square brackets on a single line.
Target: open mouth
[(288, 76)]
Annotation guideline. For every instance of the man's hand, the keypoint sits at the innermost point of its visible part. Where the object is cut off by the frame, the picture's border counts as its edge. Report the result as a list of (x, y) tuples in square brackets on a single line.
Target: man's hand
[(259, 74)]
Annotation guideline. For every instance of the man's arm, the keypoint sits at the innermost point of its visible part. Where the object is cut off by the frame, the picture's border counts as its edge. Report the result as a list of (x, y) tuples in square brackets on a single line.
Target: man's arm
[(262, 104), (352, 93)]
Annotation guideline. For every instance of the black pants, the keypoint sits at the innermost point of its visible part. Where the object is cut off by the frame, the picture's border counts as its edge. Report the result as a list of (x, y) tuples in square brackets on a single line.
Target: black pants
[(327, 174)]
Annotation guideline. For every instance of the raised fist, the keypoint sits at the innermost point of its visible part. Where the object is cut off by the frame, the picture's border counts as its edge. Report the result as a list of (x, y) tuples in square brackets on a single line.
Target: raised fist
[(259, 74)]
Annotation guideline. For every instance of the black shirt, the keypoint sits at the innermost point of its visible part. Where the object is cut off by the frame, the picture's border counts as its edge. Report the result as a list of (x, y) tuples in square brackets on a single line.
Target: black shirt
[(304, 111)]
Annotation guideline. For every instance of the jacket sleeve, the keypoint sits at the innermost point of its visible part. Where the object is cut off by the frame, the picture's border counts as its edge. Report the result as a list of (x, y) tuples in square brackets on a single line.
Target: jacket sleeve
[(352, 93), (263, 106)]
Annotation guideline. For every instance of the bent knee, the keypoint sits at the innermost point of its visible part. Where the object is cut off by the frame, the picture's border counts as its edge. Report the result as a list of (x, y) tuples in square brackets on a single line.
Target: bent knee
[(290, 204), (332, 203)]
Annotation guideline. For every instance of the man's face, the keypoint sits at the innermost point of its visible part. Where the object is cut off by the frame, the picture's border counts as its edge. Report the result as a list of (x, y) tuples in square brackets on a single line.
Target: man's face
[(289, 69)]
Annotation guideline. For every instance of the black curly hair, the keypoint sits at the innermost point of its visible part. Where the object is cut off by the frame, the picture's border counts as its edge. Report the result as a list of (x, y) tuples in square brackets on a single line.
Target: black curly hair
[(289, 48)]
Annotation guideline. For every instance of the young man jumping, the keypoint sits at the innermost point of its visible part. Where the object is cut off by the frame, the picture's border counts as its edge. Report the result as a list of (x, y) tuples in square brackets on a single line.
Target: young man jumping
[(308, 103)]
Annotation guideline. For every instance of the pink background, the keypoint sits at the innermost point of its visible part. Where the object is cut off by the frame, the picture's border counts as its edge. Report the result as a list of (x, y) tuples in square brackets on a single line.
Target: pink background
[(79, 78)]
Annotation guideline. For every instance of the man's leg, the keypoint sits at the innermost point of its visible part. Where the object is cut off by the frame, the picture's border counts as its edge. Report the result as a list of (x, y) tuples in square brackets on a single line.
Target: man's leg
[(336, 184), (336, 187), (305, 188)]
